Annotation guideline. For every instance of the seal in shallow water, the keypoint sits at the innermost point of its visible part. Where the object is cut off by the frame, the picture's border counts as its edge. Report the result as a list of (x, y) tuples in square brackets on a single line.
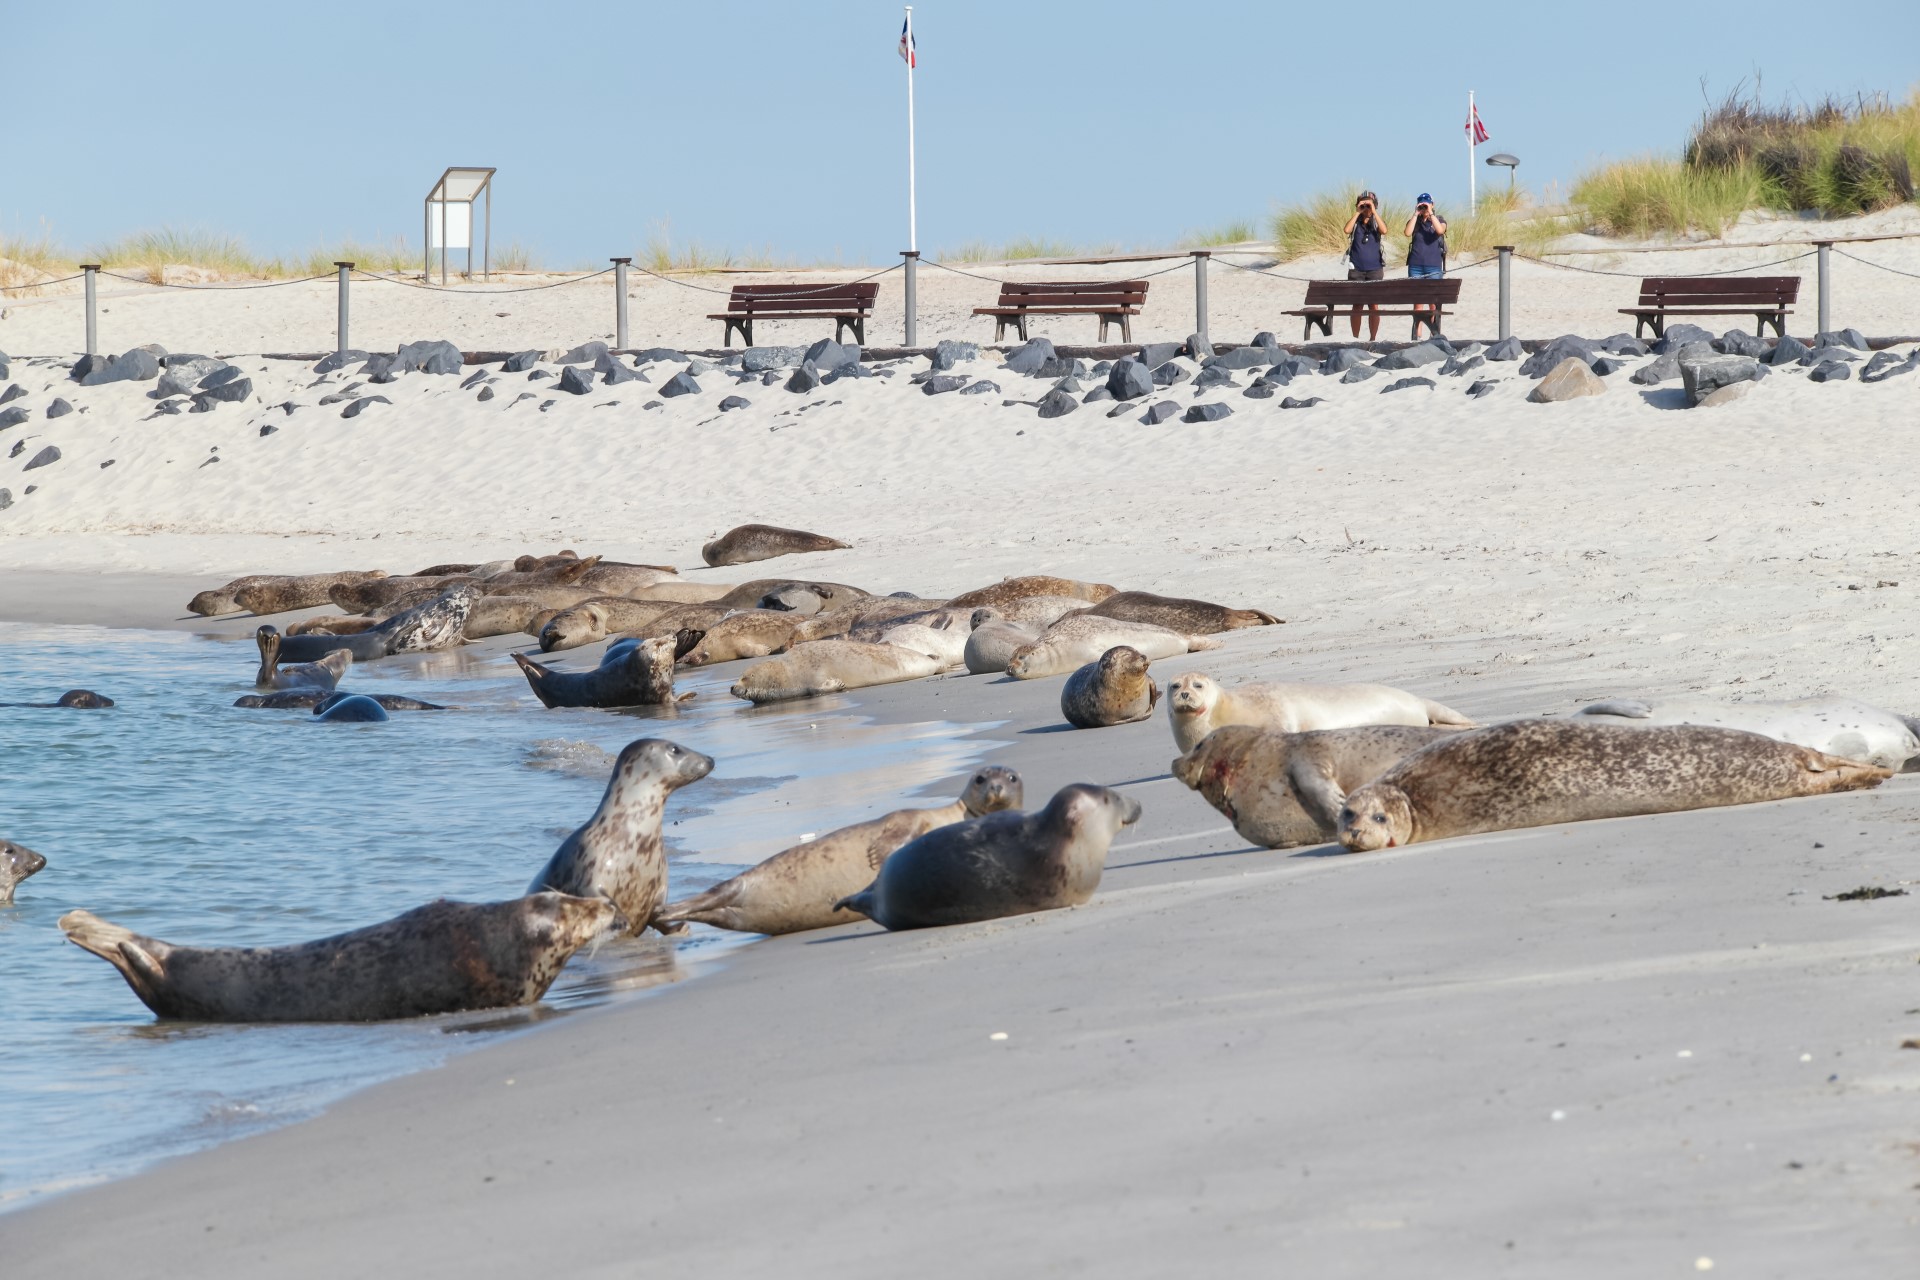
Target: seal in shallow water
[(1531, 773), (747, 543), (324, 673), (17, 862), (1284, 789), (1196, 706), (320, 699), (77, 699), (1113, 689), (440, 958), (632, 673), (1004, 864), (1836, 726), (354, 708), (796, 888), (617, 854)]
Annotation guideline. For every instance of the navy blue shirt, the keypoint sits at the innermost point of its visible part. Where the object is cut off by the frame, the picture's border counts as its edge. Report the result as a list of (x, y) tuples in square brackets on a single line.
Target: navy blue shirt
[(1363, 251), (1429, 247)]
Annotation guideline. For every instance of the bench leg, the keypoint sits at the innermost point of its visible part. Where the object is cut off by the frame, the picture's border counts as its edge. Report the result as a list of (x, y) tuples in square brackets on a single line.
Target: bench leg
[(1126, 328), (1777, 319), (745, 328), (1103, 330), (1023, 330)]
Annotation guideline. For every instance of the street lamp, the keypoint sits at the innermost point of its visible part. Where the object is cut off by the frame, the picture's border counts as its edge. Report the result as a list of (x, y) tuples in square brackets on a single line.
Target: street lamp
[(1508, 162)]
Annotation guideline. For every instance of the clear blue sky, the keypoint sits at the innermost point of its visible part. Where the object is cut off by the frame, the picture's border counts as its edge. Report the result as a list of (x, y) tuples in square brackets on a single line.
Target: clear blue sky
[(782, 126)]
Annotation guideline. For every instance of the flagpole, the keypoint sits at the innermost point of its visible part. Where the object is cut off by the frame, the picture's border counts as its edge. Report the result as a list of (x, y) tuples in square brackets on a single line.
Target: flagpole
[(1473, 196), (913, 213)]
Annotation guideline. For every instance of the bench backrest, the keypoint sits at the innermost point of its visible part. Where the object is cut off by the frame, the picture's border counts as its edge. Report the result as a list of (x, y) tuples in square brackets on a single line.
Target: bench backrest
[(1730, 291), (803, 297), (1075, 293), (1333, 293)]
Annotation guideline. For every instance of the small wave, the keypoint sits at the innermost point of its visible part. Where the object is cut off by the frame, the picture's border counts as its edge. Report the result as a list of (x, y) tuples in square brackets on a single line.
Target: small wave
[(580, 759)]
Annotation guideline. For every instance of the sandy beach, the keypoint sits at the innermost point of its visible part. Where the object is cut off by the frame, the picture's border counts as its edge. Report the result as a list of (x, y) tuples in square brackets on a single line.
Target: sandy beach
[(1600, 1049)]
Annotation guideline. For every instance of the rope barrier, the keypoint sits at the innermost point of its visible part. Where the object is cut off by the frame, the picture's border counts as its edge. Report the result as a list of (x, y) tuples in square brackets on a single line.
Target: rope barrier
[(485, 293), (41, 284), (972, 275), (798, 293), (1878, 266), (1640, 275), (163, 284)]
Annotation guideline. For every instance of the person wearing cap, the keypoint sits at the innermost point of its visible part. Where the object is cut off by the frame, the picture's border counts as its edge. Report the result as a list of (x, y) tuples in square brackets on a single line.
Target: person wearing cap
[(1363, 231), (1427, 250)]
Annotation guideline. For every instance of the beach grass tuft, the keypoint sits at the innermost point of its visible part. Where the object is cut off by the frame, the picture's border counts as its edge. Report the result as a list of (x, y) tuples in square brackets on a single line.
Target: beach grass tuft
[(27, 260), (151, 254)]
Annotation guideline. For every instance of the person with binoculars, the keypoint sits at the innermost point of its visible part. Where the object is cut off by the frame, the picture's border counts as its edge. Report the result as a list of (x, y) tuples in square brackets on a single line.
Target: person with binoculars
[(1427, 248), (1363, 233)]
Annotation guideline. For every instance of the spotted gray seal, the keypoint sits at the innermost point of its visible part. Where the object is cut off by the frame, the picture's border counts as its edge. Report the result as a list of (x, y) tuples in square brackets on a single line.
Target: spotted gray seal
[(1113, 689), (1195, 617), (1836, 726), (617, 853), (1532, 773), (749, 633), (1012, 590), (440, 958), (323, 673), (632, 673), (1004, 864), (17, 862), (747, 543), (796, 888), (1196, 706)]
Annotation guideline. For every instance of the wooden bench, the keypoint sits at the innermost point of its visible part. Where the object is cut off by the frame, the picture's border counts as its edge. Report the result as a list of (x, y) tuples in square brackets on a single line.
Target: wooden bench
[(1113, 301), (847, 305), (1329, 298), (1767, 298)]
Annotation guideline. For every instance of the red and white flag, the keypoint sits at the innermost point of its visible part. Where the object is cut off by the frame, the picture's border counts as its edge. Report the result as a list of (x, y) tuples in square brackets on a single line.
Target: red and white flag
[(1475, 130), (907, 53)]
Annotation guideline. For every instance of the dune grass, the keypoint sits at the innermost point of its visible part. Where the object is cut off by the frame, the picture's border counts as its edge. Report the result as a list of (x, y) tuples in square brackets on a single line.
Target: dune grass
[(1318, 225), (149, 254), (26, 260)]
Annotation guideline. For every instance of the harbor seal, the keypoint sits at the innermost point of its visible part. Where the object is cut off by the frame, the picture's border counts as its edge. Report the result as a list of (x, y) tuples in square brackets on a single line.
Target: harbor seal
[(1039, 611), (1196, 706), (747, 543), (501, 616), (993, 641), (796, 888), (750, 633), (618, 578), (873, 611), (323, 673), (271, 588), (949, 645), (595, 619), (321, 699), (1196, 617), (1531, 773), (632, 673), (73, 699), (1004, 864), (675, 592), (1285, 789), (1071, 643), (367, 596), (617, 854), (1005, 592), (1834, 726), (440, 958), (333, 624), (831, 666), (17, 862), (354, 708), (441, 623), (1113, 689)]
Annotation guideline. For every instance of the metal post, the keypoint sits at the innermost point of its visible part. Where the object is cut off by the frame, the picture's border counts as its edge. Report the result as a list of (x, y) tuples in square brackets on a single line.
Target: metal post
[(1506, 290), (486, 253), (1200, 257), (93, 327), (1826, 288), (620, 302), (340, 346), (426, 241), (443, 240), (912, 257)]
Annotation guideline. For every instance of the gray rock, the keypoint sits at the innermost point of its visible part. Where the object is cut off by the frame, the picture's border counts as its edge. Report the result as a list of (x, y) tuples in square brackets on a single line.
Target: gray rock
[(1830, 371), (521, 361), (980, 388), (51, 454), (1724, 395), (1262, 390), (1506, 349), (137, 365), (1342, 359), (680, 384), (1886, 365), (1294, 365), (771, 378), (266, 430), (547, 404), (1678, 336), (653, 354), (1841, 338), (1407, 383), (1622, 344), (13, 417), (434, 355), (828, 354), (620, 373), (1703, 374), (183, 376), (1267, 340), (1606, 365), (1214, 377), (761, 359), (805, 378), (1571, 379), (1484, 387), (1280, 375), (1556, 353), (1159, 413), (735, 402), (1456, 367), (85, 366), (1211, 412), (1129, 379), (606, 361), (6, 365), (478, 376), (167, 407), (1291, 403), (1098, 393), (379, 368), (950, 353), (1029, 356), (851, 369), (941, 383), (486, 393), (233, 391), (1155, 354), (12, 393), (59, 408), (359, 406), (1248, 357), (1415, 357), (6, 495), (1102, 368), (1820, 355), (337, 361), (1197, 346), (1788, 350), (1738, 342), (219, 377), (1056, 404), (1169, 375), (1061, 367), (1359, 373), (1070, 385), (575, 381), (19, 447), (585, 353)]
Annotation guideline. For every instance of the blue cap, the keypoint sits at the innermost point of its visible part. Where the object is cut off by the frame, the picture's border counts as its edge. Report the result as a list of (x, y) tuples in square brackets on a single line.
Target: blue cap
[(1424, 199)]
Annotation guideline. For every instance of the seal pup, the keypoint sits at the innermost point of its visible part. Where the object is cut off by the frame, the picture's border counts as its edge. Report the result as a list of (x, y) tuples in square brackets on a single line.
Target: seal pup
[(632, 673), (617, 853), (272, 595), (993, 641), (1196, 706), (1285, 789), (831, 666), (17, 862), (1008, 590), (796, 888), (595, 619), (1176, 613), (747, 543), (1004, 864), (77, 699), (1113, 689), (1531, 773), (324, 673), (354, 708), (1073, 642), (440, 958), (1834, 726), (750, 633)]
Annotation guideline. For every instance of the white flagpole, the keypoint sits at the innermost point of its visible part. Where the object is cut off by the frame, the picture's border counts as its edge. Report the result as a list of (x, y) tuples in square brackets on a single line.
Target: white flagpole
[(913, 213), (1473, 197)]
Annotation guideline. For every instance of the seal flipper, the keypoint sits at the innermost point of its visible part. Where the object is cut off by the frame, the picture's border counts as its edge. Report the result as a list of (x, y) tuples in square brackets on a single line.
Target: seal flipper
[(861, 902), (122, 948), (1626, 708), (701, 907), (1438, 714), (1320, 797)]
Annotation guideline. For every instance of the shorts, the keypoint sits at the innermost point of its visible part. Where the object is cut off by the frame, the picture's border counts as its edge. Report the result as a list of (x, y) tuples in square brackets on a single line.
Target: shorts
[(1379, 273), (1425, 273)]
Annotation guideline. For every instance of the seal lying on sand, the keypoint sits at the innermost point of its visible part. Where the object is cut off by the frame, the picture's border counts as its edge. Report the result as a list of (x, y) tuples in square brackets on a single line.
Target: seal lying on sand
[(1004, 864), (1196, 706), (796, 888), (438, 623), (440, 958), (947, 644), (322, 674), (632, 673), (17, 862), (1284, 789), (1531, 773), (1009, 590), (1835, 726), (675, 592), (593, 620), (82, 699), (1196, 617), (831, 666), (617, 854), (993, 642), (872, 612), (1071, 643), (747, 543), (1113, 689), (274, 593), (750, 633), (320, 699)]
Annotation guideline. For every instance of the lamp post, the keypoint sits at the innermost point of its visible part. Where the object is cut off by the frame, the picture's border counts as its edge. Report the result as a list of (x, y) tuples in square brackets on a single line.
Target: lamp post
[(1502, 160)]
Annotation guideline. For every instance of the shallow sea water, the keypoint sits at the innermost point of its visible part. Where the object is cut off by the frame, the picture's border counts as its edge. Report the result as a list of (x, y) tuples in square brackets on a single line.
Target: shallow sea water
[(186, 818)]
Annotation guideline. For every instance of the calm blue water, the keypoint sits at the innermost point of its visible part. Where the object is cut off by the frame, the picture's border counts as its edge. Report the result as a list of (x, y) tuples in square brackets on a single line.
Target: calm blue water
[(183, 817)]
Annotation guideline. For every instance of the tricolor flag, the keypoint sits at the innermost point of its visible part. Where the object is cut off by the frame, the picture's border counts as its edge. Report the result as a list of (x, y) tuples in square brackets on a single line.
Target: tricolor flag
[(1475, 130), (907, 45)]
